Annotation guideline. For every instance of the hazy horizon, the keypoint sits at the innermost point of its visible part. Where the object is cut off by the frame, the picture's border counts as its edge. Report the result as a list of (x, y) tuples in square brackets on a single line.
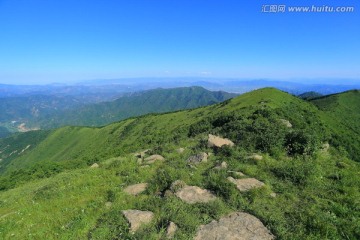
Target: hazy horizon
[(216, 80)]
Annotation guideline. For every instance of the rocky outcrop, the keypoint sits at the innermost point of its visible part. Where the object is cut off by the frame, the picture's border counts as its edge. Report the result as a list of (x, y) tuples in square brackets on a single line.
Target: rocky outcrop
[(136, 218), (236, 226), (198, 158), (246, 184), (136, 189), (215, 141)]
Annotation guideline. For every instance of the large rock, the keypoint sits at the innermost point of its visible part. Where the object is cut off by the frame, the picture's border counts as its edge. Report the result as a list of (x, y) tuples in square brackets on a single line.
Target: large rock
[(198, 158), (153, 158), (136, 218), (215, 141), (136, 189), (194, 194), (246, 184), (236, 226)]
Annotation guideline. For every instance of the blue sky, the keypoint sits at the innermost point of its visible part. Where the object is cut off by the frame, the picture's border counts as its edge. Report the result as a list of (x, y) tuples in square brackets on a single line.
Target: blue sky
[(43, 41)]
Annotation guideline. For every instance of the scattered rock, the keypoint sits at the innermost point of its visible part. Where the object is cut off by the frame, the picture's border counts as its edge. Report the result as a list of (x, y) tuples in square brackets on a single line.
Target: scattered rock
[(136, 188), (139, 161), (95, 165), (236, 226), (194, 194), (198, 158), (170, 231), (239, 174), (222, 165), (255, 156), (180, 150), (136, 218), (286, 123), (108, 204), (246, 184), (215, 141), (154, 158)]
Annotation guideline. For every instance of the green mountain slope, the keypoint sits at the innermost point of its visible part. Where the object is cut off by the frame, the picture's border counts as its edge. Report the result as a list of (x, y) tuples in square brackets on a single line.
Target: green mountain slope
[(49, 191), (151, 101), (342, 113)]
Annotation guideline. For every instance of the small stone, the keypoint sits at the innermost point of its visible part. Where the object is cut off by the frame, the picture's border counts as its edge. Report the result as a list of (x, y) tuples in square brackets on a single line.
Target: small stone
[(95, 165), (136, 189), (273, 195), (170, 231), (286, 123), (198, 158), (180, 150), (108, 204), (222, 165), (325, 147), (255, 156)]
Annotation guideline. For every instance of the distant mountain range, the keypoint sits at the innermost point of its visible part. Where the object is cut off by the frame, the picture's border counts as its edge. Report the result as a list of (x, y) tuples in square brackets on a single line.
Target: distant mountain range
[(110, 89), (46, 111)]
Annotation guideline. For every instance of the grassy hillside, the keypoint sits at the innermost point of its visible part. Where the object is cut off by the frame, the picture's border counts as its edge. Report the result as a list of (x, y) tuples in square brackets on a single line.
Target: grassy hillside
[(342, 113), (50, 192)]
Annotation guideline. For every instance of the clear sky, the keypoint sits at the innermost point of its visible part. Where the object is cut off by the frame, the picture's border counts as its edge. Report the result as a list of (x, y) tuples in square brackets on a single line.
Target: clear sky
[(43, 41)]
